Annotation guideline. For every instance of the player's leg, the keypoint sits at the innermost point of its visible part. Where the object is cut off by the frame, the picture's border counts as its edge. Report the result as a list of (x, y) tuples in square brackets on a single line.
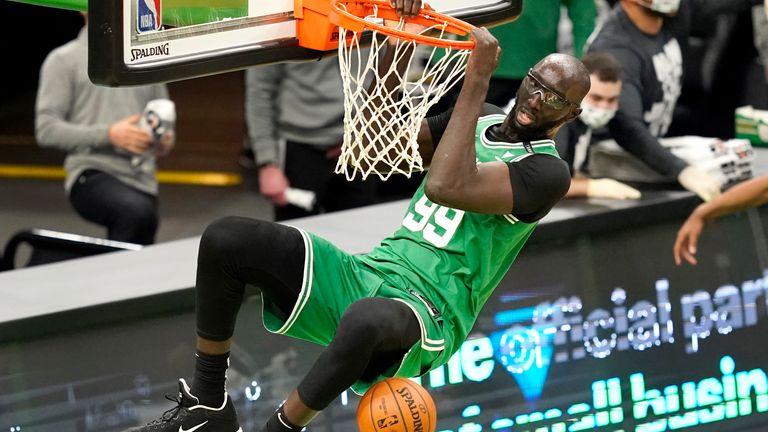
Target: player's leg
[(129, 214), (233, 252), (373, 335)]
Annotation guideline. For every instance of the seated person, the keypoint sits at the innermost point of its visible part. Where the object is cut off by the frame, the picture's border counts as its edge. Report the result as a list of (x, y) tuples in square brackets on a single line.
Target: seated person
[(598, 108), (111, 154)]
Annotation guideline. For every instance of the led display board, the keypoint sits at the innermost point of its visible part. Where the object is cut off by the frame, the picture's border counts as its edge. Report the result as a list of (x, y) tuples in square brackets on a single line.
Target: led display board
[(590, 332)]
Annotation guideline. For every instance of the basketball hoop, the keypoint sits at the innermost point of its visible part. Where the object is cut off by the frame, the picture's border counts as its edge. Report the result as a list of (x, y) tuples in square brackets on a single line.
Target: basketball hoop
[(381, 126)]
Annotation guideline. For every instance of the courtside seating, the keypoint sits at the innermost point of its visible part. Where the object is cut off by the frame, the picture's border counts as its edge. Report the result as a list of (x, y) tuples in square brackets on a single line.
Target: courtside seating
[(51, 246)]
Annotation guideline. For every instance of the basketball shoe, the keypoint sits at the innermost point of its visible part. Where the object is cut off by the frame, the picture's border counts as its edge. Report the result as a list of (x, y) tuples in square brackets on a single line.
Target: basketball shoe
[(189, 416)]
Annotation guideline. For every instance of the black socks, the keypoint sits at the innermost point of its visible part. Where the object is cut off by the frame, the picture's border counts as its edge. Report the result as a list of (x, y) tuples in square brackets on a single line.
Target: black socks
[(210, 378), (280, 423)]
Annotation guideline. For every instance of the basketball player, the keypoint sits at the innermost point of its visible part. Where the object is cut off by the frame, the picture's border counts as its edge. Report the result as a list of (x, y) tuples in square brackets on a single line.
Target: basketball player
[(406, 307)]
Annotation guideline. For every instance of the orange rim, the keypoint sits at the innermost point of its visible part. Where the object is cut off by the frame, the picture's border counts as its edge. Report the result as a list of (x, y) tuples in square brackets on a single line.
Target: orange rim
[(352, 18)]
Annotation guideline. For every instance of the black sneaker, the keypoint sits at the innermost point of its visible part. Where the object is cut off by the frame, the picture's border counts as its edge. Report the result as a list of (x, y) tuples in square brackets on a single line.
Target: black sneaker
[(189, 416)]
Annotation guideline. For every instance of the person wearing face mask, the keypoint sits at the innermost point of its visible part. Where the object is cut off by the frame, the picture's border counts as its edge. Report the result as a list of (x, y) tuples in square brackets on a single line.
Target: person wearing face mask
[(649, 39), (598, 108)]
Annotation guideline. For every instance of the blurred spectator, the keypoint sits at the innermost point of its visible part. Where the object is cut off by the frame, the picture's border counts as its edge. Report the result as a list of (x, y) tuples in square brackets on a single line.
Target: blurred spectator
[(723, 72), (649, 38), (598, 108), (531, 37), (751, 193), (111, 158), (760, 28), (301, 104)]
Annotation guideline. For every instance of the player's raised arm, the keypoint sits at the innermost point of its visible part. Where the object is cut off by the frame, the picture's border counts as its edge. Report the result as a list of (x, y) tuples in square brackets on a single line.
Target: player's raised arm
[(528, 185), (453, 174)]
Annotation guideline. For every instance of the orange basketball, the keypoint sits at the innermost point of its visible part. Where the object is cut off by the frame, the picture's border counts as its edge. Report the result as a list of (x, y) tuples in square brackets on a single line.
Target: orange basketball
[(396, 405)]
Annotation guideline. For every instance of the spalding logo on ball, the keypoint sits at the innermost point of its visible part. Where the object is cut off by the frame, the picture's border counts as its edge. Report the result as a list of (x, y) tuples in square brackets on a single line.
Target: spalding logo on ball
[(396, 405)]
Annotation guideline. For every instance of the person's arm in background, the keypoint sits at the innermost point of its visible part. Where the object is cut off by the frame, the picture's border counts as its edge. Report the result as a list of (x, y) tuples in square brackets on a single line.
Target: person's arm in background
[(583, 16), (748, 194), (456, 180), (760, 29), (604, 188), (55, 96), (261, 112), (631, 133), (628, 128)]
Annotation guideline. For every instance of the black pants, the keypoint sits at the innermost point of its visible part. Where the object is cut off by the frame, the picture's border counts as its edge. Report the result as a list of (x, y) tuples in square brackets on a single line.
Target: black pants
[(372, 335), (309, 168), (129, 215)]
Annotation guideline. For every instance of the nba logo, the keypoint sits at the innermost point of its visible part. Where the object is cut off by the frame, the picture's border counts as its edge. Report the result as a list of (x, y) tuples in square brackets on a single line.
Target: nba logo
[(149, 17), (387, 422)]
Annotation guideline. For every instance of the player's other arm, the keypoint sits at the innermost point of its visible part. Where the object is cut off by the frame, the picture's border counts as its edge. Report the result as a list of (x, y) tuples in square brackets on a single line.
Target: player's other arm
[(527, 189)]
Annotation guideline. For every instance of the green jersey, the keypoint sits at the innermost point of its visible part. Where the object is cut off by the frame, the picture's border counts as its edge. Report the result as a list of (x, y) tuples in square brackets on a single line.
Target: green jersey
[(454, 258)]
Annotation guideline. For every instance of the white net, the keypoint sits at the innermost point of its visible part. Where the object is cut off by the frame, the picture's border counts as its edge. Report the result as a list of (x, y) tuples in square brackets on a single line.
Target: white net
[(381, 124)]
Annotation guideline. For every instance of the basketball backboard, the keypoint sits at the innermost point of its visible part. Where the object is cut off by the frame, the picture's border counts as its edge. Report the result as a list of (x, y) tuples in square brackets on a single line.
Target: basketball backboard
[(143, 41)]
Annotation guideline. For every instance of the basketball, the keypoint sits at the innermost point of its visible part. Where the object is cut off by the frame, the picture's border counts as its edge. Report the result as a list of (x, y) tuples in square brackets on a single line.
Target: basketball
[(396, 405)]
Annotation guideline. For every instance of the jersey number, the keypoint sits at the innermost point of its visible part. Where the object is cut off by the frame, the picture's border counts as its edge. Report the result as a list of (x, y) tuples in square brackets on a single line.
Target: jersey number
[(437, 224)]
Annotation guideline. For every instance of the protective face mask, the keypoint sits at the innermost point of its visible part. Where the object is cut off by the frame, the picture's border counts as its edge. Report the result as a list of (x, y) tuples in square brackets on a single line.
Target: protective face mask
[(596, 117), (662, 6)]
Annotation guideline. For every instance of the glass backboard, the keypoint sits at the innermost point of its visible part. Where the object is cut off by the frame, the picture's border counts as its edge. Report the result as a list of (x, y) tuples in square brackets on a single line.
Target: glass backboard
[(142, 41)]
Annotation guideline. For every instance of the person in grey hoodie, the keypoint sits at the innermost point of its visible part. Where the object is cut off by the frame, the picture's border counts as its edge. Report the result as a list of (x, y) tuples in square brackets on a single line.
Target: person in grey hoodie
[(301, 104), (650, 39), (110, 160)]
